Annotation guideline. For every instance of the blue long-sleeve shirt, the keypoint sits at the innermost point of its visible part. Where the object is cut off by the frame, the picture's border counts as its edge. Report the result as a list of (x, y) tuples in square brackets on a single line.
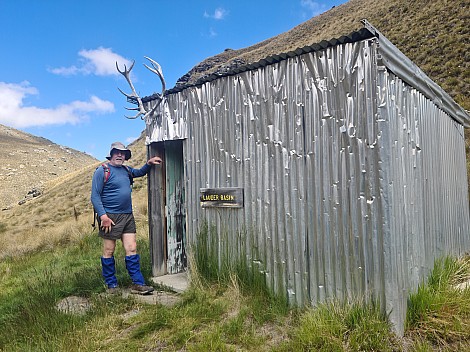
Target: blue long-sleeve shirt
[(114, 196)]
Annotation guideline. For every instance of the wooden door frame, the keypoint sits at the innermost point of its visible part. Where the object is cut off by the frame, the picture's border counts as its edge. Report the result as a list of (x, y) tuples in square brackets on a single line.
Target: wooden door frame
[(158, 227), (156, 211)]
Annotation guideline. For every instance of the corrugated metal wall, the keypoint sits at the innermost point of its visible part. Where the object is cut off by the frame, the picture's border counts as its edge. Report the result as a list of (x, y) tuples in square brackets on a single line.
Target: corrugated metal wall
[(424, 187), (353, 181)]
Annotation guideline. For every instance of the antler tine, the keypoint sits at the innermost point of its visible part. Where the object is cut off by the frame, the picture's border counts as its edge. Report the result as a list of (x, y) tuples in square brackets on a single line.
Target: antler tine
[(127, 95), (126, 73), (153, 110), (156, 66), (135, 116), (141, 111), (157, 70)]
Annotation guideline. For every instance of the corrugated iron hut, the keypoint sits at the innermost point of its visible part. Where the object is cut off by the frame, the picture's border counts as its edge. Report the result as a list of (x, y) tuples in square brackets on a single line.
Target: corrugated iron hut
[(341, 165)]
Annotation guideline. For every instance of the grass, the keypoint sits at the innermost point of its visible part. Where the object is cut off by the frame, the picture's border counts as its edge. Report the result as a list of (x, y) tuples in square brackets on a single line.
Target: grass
[(439, 311), (230, 310), (229, 269), (336, 326), (36, 282), (228, 306)]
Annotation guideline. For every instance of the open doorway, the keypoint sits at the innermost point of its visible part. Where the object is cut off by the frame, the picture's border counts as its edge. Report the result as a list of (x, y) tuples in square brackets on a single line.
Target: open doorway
[(167, 211), (175, 207)]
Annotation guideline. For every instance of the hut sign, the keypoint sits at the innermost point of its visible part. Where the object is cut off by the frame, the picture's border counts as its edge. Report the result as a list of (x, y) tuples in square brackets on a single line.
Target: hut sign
[(229, 197)]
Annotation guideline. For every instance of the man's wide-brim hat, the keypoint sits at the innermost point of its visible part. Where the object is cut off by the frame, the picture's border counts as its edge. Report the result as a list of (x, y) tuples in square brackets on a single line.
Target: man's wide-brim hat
[(121, 147)]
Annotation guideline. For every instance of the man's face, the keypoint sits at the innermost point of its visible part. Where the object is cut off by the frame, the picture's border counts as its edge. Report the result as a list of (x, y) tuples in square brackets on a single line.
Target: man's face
[(117, 157)]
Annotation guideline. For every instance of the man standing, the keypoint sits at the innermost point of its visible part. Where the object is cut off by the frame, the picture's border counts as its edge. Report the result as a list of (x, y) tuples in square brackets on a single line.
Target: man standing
[(111, 197)]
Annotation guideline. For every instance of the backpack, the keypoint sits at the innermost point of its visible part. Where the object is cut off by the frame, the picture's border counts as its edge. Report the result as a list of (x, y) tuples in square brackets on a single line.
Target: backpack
[(107, 173)]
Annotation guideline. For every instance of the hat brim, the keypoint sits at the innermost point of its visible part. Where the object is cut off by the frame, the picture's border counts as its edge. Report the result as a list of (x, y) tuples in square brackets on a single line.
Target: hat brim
[(127, 153)]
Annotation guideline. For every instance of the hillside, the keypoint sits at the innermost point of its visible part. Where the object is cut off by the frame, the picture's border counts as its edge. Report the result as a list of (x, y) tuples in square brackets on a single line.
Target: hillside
[(433, 33), (28, 162), (64, 210)]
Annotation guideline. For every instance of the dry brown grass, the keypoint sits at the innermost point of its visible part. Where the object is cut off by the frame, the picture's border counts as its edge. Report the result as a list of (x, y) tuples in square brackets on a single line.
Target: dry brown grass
[(28, 162), (64, 212)]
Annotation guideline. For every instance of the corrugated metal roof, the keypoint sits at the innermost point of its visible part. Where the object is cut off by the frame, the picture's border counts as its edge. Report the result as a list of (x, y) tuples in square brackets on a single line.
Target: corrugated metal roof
[(393, 59), (361, 34)]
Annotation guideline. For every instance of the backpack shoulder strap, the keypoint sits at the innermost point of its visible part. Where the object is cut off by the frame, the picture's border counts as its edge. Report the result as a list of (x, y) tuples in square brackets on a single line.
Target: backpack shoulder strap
[(107, 172), (131, 177)]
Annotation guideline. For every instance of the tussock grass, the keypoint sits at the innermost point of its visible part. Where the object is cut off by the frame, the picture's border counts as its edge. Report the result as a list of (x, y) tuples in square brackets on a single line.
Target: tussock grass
[(37, 238), (335, 326), (439, 311), (234, 311), (228, 267), (62, 214)]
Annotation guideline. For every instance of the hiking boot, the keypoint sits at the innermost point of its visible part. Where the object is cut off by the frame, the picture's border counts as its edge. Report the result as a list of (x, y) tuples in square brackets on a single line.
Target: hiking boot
[(141, 289), (113, 290)]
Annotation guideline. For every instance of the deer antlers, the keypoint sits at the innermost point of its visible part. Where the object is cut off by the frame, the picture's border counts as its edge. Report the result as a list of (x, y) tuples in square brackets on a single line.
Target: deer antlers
[(142, 111)]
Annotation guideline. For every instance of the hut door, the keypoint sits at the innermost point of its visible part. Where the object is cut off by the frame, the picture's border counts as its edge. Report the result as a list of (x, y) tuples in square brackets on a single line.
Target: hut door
[(175, 213)]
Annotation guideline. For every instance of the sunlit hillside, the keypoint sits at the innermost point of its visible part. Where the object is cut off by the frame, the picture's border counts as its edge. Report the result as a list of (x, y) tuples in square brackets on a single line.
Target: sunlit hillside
[(28, 162), (63, 211)]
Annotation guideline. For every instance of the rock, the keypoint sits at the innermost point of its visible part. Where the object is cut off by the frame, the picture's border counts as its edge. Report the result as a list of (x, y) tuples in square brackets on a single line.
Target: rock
[(167, 299), (34, 193), (74, 305)]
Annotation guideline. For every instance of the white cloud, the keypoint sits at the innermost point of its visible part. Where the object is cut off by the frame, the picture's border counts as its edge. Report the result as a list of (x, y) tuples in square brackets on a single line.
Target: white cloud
[(65, 71), (312, 7), (219, 14), (14, 113), (99, 62), (212, 32)]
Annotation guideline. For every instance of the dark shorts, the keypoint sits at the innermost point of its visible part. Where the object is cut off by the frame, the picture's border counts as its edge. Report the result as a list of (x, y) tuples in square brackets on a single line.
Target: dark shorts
[(123, 223)]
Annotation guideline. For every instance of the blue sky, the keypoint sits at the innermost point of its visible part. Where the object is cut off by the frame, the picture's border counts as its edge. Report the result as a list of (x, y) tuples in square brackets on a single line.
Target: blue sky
[(58, 77)]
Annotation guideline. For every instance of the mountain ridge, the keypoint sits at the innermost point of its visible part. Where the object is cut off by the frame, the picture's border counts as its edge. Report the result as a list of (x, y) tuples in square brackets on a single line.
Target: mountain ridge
[(28, 162)]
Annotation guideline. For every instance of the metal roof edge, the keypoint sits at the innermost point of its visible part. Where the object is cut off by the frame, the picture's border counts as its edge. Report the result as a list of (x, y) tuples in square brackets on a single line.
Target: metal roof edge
[(355, 36), (391, 57), (408, 71)]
